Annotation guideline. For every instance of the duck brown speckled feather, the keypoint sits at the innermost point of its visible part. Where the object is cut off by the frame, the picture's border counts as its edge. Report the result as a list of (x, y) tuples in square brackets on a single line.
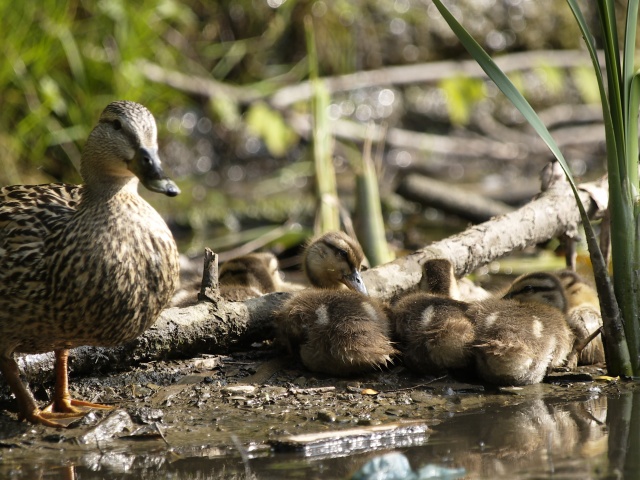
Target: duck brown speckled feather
[(86, 265)]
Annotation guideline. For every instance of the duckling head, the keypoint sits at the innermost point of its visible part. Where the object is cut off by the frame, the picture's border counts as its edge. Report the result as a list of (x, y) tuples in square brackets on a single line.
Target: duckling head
[(577, 290), (258, 270), (333, 260), (539, 287), (122, 149), (438, 278)]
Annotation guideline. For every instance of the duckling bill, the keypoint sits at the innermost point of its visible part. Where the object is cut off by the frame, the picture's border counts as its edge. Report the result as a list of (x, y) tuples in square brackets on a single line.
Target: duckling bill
[(90, 264), (333, 260)]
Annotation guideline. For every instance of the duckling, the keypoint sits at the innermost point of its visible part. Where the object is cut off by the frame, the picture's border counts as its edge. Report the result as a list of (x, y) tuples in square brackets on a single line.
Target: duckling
[(90, 264), (249, 276), (432, 328), (522, 335), (334, 260), (583, 317), (336, 331)]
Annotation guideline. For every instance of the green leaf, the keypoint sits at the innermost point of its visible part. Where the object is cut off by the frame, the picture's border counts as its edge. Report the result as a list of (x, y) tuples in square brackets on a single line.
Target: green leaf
[(269, 125), (587, 84), (629, 89), (552, 77), (461, 93), (226, 111)]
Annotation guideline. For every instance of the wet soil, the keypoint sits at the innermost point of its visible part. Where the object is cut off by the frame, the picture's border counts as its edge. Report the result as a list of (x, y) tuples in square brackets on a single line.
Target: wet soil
[(236, 410)]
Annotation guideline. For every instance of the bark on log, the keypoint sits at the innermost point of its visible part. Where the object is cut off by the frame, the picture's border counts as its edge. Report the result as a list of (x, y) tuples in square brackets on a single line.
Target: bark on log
[(179, 333), (552, 214), (217, 328)]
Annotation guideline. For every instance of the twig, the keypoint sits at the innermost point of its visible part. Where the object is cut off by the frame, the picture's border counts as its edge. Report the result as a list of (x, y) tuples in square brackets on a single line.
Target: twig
[(209, 288), (398, 75), (413, 387)]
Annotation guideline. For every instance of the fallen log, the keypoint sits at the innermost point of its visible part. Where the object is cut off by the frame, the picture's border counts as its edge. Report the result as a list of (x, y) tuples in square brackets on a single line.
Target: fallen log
[(209, 327)]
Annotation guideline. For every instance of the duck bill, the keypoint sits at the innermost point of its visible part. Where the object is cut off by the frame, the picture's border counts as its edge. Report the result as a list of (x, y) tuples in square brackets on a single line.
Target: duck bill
[(146, 166), (354, 282)]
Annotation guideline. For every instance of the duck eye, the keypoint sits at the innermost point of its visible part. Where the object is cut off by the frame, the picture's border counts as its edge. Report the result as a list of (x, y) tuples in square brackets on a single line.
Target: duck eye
[(117, 125), (342, 254)]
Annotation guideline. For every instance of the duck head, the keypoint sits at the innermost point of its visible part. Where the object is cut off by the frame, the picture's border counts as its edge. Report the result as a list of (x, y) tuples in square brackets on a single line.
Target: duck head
[(124, 147)]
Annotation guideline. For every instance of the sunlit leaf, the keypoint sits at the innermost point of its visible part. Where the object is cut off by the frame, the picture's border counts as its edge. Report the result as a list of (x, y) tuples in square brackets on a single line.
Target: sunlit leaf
[(269, 125), (552, 77), (461, 94), (225, 111), (587, 84)]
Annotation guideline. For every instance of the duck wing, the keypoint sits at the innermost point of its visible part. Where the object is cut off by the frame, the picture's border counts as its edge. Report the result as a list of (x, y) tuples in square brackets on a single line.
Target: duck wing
[(28, 215)]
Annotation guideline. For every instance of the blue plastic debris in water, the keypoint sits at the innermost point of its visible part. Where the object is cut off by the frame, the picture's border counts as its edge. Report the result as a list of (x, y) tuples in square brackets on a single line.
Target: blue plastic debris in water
[(395, 466), (390, 466)]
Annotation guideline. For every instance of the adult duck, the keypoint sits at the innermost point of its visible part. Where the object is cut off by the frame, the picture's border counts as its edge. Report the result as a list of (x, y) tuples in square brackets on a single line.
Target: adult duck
[(90, 264)]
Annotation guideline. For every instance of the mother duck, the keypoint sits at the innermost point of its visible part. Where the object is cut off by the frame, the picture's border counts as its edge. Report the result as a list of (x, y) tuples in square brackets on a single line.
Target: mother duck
[(90, 264)]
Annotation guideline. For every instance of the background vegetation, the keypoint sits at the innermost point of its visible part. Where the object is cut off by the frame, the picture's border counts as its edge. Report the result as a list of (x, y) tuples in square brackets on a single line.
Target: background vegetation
[(237, 154)]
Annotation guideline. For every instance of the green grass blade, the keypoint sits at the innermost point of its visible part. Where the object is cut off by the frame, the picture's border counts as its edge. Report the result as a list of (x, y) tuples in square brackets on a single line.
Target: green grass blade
[(633, 106), (612, 59), (618, 351), (628, 78), (623, 232), (328, 217), (369, 221)]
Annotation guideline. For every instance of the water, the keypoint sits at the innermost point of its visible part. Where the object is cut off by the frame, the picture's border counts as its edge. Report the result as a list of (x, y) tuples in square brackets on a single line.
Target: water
[(548, 436)]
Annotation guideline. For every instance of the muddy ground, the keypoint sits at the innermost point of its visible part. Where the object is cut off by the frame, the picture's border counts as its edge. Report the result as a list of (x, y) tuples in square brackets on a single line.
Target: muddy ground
[(241, 406)]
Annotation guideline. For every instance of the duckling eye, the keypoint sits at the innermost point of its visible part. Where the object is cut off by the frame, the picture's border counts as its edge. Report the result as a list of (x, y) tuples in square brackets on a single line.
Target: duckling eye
[(117, 125), (342, 254)]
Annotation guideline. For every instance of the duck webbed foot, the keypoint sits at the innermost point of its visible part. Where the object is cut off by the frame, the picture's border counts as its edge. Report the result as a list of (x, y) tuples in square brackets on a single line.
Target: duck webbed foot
[(28, 409), (50, 419), (62, 403)]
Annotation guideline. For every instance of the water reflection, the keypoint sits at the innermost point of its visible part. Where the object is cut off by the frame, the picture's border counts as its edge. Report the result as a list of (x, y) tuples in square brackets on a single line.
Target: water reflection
[(546, 437)]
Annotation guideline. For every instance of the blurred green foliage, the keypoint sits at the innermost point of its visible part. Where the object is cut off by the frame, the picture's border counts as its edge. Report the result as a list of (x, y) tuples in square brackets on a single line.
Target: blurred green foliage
[(63, 61), (461, 94)]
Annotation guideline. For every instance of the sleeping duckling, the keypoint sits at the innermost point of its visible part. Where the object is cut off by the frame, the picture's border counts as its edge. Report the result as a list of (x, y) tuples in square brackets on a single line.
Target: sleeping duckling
[(583, 317), (432, 328), (249, 276), (338, 332), (524, 334), (334, 261), (90, 264)]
